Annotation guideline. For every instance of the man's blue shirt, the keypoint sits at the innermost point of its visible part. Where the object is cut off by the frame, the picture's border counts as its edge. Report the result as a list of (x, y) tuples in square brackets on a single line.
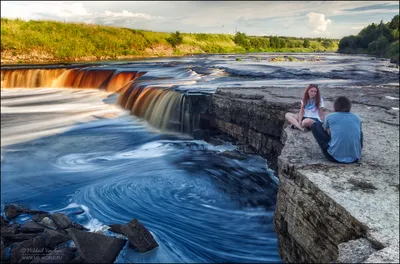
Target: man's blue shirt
[(345, 144)]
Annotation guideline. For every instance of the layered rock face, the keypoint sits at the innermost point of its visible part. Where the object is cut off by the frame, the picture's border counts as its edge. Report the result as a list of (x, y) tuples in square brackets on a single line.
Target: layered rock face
[(255, 123), (325, 212)]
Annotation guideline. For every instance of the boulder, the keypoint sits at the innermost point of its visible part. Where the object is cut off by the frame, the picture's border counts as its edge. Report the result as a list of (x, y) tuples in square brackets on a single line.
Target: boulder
[(79, 226), (31, 227), (47, 222), (39, 217), (13, 210), (54, 237), (116, 228), (139, 237), (9, 230), (27, 250), (96, 248), (3, 221), (61, 220)]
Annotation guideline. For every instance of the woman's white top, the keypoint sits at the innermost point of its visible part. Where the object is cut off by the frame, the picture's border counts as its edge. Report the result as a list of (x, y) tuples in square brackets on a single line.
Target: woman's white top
[(310, 110)]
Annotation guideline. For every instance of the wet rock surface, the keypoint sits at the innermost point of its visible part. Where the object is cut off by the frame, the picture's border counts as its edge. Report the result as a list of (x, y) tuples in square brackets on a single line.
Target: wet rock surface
[(61, 220), (322, 204), (56, 240), (139, 237), (96, 248)]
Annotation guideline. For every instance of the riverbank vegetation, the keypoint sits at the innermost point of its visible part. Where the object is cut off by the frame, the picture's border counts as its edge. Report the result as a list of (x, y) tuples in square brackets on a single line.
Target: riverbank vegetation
[(380, 40), (44, 41)]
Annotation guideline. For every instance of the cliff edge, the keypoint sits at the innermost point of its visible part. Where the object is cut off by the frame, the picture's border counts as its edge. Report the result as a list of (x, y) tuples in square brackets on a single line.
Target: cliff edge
[(325, 212)]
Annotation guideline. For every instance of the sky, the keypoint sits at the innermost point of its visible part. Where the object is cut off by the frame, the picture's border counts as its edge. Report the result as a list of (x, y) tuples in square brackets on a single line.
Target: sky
[(327, 19)]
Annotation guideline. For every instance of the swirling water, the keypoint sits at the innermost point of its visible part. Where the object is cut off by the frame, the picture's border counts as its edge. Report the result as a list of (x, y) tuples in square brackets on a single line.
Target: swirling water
[(77, 152)]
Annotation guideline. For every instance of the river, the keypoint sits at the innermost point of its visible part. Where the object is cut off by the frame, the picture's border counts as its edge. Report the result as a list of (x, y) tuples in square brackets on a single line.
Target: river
[(66, 148)]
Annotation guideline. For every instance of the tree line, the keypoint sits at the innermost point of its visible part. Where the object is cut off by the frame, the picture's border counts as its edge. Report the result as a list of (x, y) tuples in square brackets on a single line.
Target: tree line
[(380, 40), (265, 43)]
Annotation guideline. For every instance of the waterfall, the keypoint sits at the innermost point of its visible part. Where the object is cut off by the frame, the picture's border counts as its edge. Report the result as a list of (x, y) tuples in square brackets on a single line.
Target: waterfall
[(162, 107), (107, 79)]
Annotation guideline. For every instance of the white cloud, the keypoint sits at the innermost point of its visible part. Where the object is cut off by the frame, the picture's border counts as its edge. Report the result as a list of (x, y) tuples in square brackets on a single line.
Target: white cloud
[(357, 27), (318, 23), (128, 14)]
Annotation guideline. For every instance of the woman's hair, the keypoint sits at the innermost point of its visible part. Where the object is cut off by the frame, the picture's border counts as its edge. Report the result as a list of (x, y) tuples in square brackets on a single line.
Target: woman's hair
[(317, 96), (342, 104)]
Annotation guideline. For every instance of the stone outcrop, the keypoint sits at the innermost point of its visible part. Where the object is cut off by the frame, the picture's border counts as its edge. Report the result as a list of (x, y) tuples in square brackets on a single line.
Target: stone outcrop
[(50, 240), (325, 212), (139, 237), (96, 248)]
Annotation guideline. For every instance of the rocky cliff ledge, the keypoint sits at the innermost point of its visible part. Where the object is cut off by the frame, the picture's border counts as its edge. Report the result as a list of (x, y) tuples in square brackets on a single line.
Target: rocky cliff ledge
[(325, 212)]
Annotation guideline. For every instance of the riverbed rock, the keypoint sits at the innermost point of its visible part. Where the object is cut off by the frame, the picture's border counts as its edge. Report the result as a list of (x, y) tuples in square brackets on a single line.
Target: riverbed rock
[(96, 248), (13, 210), (39, 217), (54, 237), (9, 230), (139, 237), (26, 251), (47, 222), (61, 220), (79, 226), (3, 221), (116, 228), (321, 205), (31, 227)]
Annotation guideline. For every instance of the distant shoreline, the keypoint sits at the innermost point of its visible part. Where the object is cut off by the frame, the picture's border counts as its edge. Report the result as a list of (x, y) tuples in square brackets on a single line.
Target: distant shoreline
[(14, 61)]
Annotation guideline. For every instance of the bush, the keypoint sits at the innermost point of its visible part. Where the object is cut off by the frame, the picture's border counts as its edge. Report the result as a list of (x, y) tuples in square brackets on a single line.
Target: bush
[(175, 39)]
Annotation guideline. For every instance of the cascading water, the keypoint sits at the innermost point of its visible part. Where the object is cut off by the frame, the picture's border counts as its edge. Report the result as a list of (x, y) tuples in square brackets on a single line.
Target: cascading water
[(68, 147)]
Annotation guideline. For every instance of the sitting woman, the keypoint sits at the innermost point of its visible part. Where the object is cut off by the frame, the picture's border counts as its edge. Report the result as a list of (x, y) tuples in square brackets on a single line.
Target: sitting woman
[(310, 110)]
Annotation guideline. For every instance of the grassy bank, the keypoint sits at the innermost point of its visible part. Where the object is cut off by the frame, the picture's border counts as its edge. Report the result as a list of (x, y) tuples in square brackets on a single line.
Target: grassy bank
[(46, 41)]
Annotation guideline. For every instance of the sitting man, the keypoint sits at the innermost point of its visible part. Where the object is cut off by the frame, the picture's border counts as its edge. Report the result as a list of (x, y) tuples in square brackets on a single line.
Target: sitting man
[(342, 138)]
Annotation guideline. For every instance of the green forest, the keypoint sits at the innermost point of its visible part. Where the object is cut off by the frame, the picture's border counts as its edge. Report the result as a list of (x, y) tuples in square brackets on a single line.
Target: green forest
[(380, 40), (35, 41)]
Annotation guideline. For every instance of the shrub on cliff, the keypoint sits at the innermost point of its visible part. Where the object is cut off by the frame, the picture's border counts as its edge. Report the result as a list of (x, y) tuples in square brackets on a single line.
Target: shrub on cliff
[(175, 39)]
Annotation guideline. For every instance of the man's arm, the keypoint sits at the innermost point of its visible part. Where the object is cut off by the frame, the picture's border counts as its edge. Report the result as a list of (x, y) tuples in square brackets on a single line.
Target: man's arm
[(326, 125)]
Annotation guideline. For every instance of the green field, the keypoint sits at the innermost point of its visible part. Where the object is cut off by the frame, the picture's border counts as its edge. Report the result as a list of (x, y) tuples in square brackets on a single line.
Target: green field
[(45, 41)]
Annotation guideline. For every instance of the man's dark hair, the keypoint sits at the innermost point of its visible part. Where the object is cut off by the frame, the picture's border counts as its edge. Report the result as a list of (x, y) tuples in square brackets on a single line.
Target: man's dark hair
[(342, 104)]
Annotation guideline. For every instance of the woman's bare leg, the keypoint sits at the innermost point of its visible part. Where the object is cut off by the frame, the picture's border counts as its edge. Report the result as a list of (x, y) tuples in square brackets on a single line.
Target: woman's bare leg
[(307, 122), (293, 119)]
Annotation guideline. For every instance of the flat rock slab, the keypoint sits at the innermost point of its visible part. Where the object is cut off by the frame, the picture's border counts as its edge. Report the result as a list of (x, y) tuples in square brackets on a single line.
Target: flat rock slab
[(96, 248), (139, 237)]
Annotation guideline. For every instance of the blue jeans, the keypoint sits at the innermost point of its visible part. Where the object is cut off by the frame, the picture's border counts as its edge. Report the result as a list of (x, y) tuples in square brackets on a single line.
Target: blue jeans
[(323, 139)]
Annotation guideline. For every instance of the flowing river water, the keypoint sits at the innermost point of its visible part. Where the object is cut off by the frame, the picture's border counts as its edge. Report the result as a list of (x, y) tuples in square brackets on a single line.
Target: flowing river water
[(120, 150)]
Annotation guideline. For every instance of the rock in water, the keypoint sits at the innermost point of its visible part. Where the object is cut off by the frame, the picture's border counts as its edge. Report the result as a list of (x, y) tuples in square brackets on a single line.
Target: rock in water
[(116, 228), (96, 248), (139, 236), (61, 220), (31, 227)]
